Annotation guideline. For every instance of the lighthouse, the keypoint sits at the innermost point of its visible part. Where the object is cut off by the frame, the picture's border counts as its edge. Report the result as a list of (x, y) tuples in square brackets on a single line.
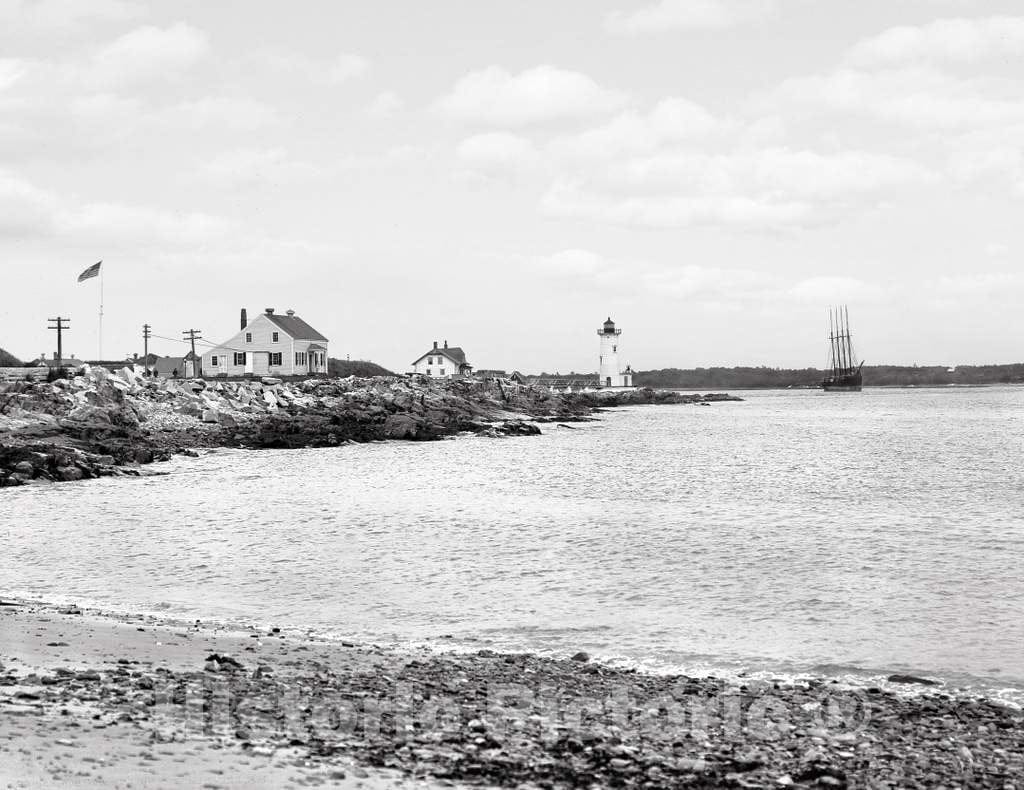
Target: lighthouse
[(611, 375)]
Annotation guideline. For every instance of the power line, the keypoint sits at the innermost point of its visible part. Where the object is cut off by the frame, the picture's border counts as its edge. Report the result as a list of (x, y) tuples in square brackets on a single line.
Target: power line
[(145, 348), (193, 336), (60, 324)]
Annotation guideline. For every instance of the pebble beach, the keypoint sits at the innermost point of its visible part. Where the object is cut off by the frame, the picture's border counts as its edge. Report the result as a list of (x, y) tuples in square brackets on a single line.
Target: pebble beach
[(90, 699)]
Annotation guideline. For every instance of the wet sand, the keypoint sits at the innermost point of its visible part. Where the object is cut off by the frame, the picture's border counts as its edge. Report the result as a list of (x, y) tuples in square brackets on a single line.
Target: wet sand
[(90, 700)]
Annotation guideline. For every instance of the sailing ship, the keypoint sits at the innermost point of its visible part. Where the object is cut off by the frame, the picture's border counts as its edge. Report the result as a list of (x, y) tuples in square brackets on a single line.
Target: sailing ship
[(844, 371)]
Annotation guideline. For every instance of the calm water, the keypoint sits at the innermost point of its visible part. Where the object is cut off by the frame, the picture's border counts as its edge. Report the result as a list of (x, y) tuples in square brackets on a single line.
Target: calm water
[(795, 532)]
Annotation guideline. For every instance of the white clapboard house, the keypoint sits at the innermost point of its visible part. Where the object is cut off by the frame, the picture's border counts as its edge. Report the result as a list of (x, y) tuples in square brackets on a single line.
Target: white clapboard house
[(443, 362), (269, 345)]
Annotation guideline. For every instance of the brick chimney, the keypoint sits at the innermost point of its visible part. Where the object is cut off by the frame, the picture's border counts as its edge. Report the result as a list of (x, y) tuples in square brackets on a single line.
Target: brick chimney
[(269, 310), (245, 318), (435, 344), (446, 344)]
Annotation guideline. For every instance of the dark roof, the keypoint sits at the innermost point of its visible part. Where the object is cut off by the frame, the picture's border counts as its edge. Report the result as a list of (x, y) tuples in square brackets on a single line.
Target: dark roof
[(455, 354), (295, 327)]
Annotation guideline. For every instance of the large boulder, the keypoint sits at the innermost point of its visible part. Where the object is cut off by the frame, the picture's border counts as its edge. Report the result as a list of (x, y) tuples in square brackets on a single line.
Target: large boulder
[(68, 473), (90, 414), (401, 426)]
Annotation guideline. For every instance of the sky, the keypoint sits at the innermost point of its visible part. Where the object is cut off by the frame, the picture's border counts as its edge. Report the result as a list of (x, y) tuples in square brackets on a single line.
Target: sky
[(712, 174)]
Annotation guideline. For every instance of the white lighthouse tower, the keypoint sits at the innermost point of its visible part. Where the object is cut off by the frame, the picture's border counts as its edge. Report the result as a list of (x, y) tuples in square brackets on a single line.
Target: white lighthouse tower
[(611, 374)]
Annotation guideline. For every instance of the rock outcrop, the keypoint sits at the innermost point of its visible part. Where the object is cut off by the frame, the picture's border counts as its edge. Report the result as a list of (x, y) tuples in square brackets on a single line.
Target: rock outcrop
[(99, 423)]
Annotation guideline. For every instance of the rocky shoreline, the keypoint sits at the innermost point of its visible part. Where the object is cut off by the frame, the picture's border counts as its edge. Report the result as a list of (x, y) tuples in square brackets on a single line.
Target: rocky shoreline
[(101, 699), (98, 423)]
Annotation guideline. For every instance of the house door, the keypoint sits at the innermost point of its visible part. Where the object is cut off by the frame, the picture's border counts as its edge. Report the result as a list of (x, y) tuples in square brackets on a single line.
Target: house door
[(608, 381), (248, 363)]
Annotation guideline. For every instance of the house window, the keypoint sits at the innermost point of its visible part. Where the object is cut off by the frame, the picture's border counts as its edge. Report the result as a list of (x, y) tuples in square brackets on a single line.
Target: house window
[(615, 348), (430, 372), (213, 361), (240, 358), (300, 357), (275, 357), (248, 337), (273, 337)]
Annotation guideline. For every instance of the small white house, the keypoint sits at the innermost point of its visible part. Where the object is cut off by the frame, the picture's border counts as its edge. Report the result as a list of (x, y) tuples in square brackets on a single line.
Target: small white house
[(443, 362), (269, 345)]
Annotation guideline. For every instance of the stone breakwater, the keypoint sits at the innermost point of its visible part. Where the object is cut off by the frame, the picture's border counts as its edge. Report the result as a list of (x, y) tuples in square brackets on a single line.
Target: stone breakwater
[(110, 696), (98, 423)]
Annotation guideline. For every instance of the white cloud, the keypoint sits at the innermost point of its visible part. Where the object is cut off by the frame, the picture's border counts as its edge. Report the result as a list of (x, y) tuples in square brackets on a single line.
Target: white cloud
[(956, 40), (834, 290), (47, 15), (30, 211), (667, 15), (537, 95), (247, 167), (117, 223), (11, 70), (497, 152), (672, 120), (25, 210), (146, 53), (572, 200), (715, 283), (347, 66), (981, 284), (385, 104), (573, 263), (773, 188), (226, 113), (917, 97)]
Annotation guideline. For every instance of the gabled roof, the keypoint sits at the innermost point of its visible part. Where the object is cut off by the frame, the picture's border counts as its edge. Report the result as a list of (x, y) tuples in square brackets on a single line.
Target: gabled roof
[(455, 354), (295, 327)]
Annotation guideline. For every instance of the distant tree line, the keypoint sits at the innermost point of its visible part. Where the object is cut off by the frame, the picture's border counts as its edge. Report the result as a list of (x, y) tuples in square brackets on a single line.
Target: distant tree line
[(874, 375)]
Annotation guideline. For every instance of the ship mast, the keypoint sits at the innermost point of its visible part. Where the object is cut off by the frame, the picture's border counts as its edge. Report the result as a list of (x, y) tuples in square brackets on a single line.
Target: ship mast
[(832, 343), (845, 339), (849, 340), (838, 352)]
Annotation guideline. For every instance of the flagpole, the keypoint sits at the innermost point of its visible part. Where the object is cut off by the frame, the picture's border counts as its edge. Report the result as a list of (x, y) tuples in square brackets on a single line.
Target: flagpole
[(101, 315)]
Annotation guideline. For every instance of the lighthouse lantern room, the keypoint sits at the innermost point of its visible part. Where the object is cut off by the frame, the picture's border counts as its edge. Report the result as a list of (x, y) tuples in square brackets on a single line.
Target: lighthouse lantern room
[(611, 374)]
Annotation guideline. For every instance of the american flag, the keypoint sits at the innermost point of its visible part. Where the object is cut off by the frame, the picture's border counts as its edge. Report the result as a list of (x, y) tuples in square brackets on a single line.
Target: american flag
[(92, 271)]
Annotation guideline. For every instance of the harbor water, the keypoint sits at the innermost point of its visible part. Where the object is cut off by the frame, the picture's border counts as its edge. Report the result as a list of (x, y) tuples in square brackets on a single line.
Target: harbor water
[(797, 532)]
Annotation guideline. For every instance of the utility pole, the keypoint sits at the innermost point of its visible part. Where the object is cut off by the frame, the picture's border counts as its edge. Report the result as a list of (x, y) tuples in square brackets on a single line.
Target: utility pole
[(193, 335), (145, 345), (60, 324)]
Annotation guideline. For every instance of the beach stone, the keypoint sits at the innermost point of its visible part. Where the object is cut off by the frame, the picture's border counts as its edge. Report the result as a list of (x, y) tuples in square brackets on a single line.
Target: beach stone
[(24, 468), (912, 679), (69, 473), (210, 415), (581, 656)]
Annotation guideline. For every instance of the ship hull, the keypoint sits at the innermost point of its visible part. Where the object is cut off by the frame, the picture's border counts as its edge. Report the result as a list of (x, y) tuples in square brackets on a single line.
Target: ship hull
[(850, 382)]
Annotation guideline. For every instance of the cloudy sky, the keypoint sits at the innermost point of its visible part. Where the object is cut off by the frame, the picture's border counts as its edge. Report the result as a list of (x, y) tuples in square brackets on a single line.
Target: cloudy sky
[(505, 175)]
